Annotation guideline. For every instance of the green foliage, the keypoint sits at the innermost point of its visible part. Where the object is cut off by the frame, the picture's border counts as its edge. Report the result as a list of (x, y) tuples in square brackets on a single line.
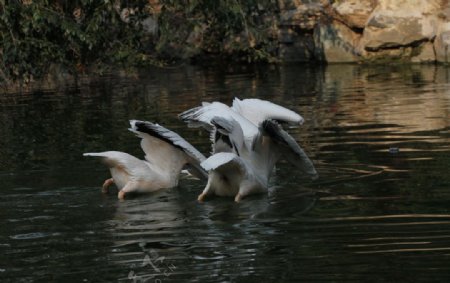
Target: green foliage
[(74, 34), (230, 29), (93, 35)]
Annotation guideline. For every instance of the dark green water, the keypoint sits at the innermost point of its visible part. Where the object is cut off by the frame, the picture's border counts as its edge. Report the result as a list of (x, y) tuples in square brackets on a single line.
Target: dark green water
[(380, 139)]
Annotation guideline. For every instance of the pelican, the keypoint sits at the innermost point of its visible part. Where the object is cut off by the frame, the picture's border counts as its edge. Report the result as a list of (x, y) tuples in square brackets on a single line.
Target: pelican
[(248, 141), (166, 154)]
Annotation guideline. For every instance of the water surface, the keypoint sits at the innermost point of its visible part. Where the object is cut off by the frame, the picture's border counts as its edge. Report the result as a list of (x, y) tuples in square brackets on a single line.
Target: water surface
[(379, 136)]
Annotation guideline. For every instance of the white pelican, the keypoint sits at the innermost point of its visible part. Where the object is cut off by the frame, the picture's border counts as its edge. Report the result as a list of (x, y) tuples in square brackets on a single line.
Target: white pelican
[(245, 154), (166, 153)]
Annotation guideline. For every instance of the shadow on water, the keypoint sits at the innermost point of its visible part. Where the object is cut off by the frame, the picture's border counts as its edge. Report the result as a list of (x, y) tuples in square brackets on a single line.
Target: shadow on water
[(379, 136)]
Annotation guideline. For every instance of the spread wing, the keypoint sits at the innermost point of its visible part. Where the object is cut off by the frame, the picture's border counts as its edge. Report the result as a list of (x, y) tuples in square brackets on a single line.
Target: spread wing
[(288, 147), (257, 110), (205, 115), (232, 130), (226, 163), (165, 147), (130, 164)]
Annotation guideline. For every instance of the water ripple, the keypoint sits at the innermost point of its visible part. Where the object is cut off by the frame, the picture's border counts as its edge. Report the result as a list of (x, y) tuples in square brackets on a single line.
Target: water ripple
[(379, 137)]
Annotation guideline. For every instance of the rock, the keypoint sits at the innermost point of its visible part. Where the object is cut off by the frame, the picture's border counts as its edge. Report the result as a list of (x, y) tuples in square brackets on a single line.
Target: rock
[(396, 23), (400, 55), (286, 35), (365, 30), (403, 32), (299, 49), (442, 43), (444, 14), (335, 43), (354, 13), (425, 53), (304, 16), (284, 5)]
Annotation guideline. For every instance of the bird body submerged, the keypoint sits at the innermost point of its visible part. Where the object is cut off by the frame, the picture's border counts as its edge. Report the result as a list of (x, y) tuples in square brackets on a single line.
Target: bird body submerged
[(247, 142), (256, 142), (166, 155), (231, 175)]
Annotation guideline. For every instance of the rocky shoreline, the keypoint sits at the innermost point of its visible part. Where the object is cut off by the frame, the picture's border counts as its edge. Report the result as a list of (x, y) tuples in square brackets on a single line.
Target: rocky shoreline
[(364, 31), (93, 40)]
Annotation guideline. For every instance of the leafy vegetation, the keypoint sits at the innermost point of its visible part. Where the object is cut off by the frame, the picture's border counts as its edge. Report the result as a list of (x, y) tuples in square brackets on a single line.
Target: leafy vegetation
[(87, 35), (226, 29), (74, 34)]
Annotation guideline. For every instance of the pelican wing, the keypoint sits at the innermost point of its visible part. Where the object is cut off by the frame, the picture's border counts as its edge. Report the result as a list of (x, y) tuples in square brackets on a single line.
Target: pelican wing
[(205, 114), (162, 145), (171, 138), (257, 110), (195, 118), (220, 142), (226, 163), (201, 116), (230, 128), (130, 164), (196, 170), (289, 147)]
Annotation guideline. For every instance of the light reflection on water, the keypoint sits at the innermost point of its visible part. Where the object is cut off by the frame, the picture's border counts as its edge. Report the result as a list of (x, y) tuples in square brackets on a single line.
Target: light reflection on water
[(379, 137)]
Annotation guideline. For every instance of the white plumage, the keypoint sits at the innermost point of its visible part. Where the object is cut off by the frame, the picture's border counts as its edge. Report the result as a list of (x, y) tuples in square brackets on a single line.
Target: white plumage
[(166, 153), (203, 115), (255, 142), (257, 110)]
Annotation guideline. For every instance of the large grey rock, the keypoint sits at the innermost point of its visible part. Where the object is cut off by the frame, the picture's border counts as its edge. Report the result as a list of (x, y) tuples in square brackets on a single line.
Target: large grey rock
[(397, 23), (442, 43), (354, 13), (336, 43)]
